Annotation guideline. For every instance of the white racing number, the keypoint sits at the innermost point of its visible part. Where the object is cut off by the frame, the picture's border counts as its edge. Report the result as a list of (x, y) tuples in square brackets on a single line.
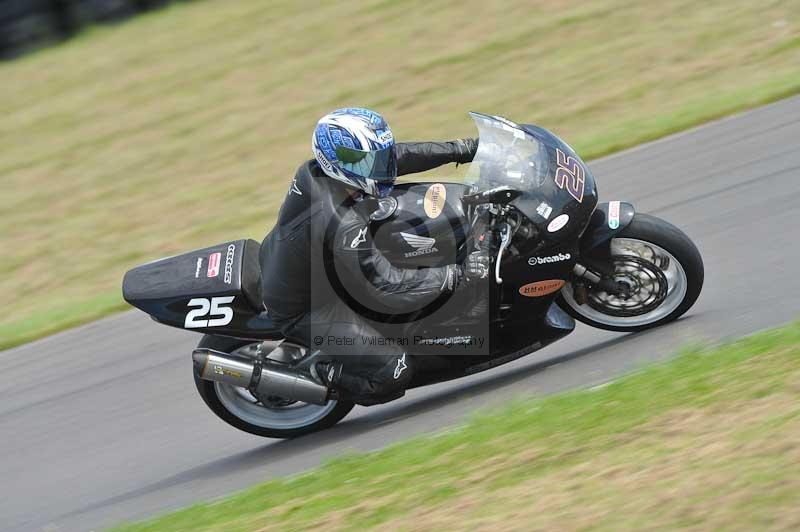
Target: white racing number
[(220, 315)]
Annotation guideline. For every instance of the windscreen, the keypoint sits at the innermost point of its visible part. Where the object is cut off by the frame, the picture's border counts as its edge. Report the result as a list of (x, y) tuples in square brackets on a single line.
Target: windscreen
[(558, 190), (506, 156)]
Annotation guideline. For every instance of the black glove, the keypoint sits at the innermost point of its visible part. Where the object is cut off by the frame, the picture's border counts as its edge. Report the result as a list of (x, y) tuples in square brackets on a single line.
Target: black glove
[(466, 150), (476, 266)]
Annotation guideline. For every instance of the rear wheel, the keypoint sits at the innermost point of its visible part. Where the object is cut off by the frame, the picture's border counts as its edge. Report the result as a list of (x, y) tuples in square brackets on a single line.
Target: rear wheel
[(661, 270), (272, 417)]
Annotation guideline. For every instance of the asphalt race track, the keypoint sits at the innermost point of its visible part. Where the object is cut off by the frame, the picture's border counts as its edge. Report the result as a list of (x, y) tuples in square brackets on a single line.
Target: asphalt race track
[(103, 424)]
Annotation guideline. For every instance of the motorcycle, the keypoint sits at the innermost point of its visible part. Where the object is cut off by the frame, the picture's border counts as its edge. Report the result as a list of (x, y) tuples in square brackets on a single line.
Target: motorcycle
[(528, 201)]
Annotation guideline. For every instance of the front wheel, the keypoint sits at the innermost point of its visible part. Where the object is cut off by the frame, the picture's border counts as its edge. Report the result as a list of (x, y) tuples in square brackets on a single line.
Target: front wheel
[(275, 418), (661, 270)]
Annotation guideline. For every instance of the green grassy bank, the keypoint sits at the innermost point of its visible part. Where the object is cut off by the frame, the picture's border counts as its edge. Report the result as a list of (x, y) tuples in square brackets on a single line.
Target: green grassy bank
[(707, 441)]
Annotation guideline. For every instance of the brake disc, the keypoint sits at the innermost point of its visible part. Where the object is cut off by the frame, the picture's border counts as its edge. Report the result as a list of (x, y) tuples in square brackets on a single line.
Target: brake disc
[(647, 283)]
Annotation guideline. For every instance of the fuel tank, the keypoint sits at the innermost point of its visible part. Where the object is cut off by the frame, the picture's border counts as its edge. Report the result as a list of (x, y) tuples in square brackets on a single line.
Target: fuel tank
[(422, 225)]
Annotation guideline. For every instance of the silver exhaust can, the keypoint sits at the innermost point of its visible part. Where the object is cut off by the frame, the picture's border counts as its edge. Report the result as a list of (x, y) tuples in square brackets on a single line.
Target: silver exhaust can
[(220, 367), (282, 382)]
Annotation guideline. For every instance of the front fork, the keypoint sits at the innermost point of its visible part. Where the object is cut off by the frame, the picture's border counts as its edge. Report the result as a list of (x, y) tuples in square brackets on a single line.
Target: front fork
[(605, 283), (608, 220)]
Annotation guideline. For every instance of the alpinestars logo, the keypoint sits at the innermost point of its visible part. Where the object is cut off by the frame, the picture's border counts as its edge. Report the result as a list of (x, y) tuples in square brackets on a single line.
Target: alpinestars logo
[(360, 238), (295, 189), (401, 365), (422, 245), (534, 261)]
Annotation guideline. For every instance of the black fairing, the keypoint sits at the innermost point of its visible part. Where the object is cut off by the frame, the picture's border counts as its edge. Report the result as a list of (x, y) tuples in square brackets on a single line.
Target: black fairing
[(559, 199), (166, 288), (450, 229)]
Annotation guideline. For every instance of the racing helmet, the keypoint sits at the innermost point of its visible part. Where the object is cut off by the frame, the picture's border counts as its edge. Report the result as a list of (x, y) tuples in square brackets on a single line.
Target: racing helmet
[(356, 146)]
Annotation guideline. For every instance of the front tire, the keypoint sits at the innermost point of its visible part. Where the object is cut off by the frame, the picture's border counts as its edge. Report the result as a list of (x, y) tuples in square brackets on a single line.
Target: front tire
[(661, 266), (237, 407)]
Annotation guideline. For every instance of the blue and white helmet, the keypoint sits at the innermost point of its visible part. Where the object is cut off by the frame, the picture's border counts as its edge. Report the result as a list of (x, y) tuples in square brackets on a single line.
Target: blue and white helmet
[(356, 147)]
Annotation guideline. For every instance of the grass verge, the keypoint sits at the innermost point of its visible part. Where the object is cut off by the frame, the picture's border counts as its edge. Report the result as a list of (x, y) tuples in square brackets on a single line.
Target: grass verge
[(181, 128), (709, 440)]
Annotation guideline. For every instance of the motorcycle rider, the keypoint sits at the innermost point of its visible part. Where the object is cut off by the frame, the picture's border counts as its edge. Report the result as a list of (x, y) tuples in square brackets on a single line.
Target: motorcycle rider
[(320, 253)]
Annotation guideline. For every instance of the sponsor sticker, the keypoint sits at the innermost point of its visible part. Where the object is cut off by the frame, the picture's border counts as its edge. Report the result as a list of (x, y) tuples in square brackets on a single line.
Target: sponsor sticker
[(558, 223), (541, 288), (213, 264), (450, 341), (198, 267), (229, 264), (422, 245), (544, 210), (613, 215), (434, 200), (534, 261)]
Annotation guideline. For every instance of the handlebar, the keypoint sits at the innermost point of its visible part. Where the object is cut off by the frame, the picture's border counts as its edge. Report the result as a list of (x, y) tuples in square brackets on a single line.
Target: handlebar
[(498, 195)]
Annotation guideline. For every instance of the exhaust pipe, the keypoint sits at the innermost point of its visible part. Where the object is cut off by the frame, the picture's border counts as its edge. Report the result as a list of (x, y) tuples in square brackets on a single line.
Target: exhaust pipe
[(217, 366)]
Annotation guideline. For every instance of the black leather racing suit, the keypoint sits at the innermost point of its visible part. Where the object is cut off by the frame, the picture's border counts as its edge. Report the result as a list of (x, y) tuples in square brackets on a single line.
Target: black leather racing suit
[(320, 250)]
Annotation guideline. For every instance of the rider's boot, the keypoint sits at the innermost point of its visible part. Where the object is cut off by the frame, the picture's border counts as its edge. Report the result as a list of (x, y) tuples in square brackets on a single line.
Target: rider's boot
[(328, 373)]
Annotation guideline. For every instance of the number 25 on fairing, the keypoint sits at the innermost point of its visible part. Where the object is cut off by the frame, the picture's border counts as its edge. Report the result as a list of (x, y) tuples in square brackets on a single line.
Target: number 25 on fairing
[(570, 175), (223, 315)]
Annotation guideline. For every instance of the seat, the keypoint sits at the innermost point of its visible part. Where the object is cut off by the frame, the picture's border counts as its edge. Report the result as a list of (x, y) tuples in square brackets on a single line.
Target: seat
[(251, 275)]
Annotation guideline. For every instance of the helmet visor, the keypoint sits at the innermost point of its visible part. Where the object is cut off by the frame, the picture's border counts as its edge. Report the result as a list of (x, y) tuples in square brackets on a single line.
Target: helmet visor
[(380, 165)]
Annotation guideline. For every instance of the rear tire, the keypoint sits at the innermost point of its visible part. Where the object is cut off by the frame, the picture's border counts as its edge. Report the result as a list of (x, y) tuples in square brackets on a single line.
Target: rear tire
[(666, 257), (231, 404)]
